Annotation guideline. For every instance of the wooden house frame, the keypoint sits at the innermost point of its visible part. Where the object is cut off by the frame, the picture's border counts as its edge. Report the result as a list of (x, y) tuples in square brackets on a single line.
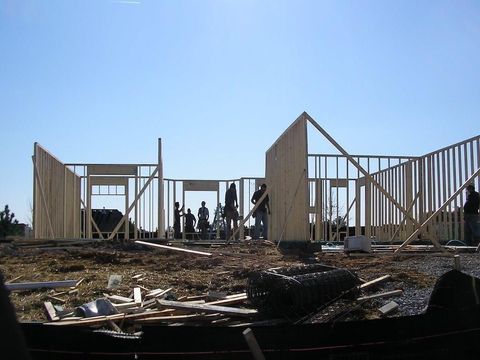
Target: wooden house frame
[(388, 198), (63, 193)]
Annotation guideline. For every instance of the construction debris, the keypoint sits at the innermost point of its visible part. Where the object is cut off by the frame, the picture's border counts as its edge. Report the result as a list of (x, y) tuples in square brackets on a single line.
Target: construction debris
[(388, 308), (41, 285)]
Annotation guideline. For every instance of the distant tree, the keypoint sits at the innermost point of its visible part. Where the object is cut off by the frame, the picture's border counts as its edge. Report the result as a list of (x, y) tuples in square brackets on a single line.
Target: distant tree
[(8, 226)]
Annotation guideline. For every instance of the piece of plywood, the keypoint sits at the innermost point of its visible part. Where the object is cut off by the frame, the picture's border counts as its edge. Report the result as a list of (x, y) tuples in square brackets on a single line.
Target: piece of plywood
[(56, 197), (287, 184)]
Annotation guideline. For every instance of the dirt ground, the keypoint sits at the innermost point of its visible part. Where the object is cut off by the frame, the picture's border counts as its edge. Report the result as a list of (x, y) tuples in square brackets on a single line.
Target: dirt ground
[(188, 274)]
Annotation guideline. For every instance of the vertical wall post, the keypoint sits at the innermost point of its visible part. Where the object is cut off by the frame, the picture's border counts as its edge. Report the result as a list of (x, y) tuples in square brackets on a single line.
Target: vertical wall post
[(161, 203), (127, 221), (88, 218)]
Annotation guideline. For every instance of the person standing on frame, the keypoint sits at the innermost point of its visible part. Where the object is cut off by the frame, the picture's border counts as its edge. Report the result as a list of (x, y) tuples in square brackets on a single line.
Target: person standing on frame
[(176, 221), (190, 222), (231, 212), (203, 216), (262, 212), (470, 215)]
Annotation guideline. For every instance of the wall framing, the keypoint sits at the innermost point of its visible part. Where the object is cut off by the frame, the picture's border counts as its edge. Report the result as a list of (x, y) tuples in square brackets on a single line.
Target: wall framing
[(390, 198)]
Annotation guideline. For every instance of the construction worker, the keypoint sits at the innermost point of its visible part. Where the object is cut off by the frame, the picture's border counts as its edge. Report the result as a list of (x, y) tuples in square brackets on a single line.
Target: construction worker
[(231, 212), (261, 214), (203, 216), (470, 215)]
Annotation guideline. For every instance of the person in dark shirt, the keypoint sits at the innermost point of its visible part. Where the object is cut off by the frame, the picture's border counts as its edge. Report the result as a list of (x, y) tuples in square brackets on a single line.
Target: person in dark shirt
[(203, 216), (262, 212), (470, 215), (176, 221), (190, 222), (230, 211)]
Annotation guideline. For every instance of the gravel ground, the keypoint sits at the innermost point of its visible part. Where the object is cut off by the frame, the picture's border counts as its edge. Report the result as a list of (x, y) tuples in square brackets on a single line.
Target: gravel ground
[(416, 276), (226, 271)]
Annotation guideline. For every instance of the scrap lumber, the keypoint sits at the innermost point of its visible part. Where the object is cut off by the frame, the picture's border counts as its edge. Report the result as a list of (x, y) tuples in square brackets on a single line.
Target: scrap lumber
[(236, 295), (157, 293), (216, 295), (124, 306), (206, 308), (14, 279), (197, 297), (174, 248), (99, 320), (381, 295), (137, 295), (118, 299), (176, 318), (60, 300), (50, 310), (374, 282), (253, 344), (40, 285), (229, 301), (388, 308)]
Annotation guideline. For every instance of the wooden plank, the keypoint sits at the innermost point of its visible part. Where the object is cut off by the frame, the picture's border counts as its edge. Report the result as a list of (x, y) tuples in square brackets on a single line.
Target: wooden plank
[(235, 295), (124, 306), (174, 248), (111, 169), (50, 310), (229, 301), (200, 185), (175, 318), (374, 282), (118, 298), (40, 285), (137, 295), (206, 308), (381, 295)]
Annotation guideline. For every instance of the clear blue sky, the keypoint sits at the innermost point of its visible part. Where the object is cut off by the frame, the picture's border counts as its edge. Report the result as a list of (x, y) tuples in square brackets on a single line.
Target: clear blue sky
[(98, 81)]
